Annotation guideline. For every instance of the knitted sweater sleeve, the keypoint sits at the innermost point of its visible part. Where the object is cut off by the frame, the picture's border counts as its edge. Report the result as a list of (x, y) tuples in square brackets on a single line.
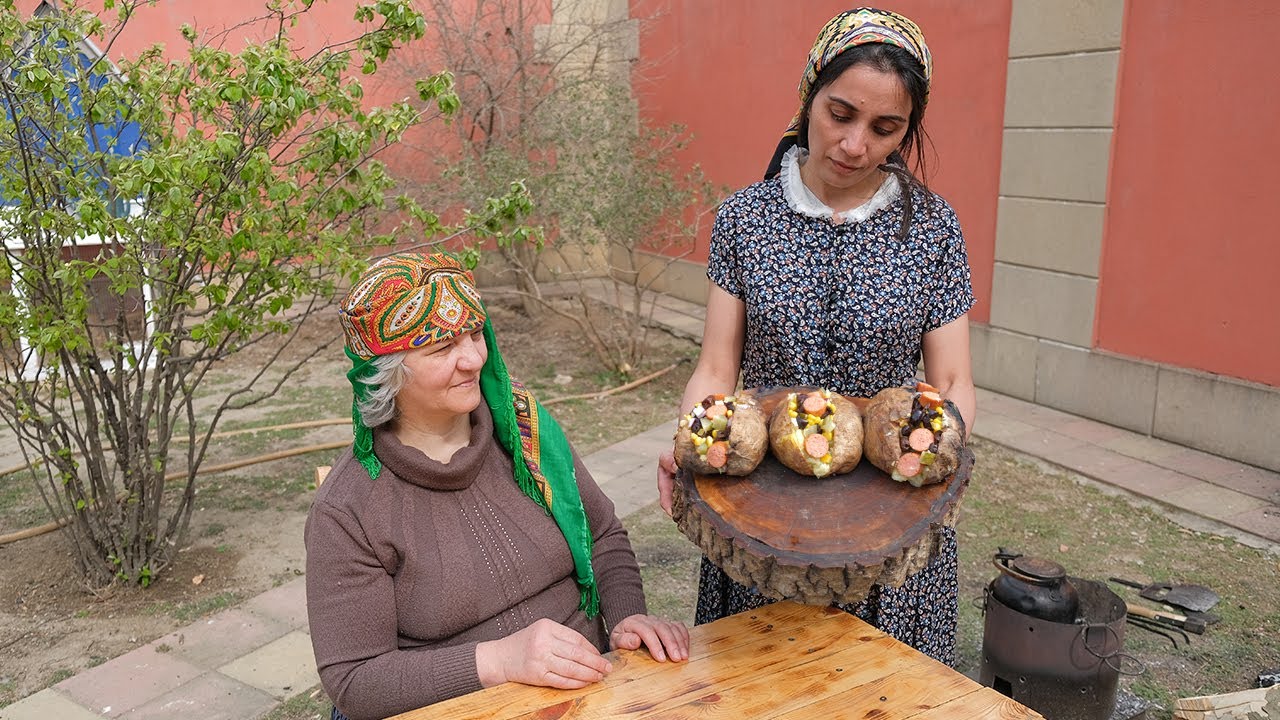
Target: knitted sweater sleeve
[(616, 570), (351, 608)]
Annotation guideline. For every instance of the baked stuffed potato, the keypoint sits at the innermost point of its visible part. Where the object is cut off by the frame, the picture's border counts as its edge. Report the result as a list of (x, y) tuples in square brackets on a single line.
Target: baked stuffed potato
[(913, 434), (722, 435), (816, 433)]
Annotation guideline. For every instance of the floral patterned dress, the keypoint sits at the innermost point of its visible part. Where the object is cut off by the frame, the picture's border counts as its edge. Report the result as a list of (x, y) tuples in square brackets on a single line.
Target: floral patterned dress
[(842, 302)]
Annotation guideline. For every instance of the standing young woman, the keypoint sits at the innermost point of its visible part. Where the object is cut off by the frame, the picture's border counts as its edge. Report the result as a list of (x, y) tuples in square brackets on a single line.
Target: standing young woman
[(843, 270)]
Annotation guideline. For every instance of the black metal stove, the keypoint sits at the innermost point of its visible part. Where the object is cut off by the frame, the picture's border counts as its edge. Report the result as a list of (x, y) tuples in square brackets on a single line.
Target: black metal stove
[(1064, 670)]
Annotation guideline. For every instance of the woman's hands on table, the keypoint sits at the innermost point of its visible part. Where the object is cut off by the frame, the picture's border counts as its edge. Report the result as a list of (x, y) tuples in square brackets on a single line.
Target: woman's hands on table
[(547, 654), (665, 639)]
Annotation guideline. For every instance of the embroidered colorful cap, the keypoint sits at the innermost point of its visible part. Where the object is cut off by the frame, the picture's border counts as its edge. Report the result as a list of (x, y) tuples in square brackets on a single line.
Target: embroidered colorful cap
[(408, 300)]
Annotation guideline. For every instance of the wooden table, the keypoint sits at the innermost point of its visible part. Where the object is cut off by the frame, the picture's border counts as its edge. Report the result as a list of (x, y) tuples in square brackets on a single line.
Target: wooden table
[(782, 661)]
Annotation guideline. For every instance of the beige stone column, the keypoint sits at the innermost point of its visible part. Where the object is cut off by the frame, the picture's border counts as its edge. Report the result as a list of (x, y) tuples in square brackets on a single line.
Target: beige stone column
[(1059, 109), (594, 36), (590, 45)]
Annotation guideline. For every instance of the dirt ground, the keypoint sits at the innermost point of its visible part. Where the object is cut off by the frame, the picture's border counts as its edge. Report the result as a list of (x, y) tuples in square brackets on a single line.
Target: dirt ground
[(53, 625)]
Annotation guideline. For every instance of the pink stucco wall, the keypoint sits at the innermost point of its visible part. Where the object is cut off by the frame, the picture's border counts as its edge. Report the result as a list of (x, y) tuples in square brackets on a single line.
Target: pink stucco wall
[(1190, 251)]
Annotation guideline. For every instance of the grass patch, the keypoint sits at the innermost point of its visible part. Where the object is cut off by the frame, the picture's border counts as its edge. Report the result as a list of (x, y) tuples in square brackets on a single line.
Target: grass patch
[(272, 485), (280, 578), (189, 611), (15, 490), (592, 425), (248, 445), (311, 704), (7, 689), (668, 563), (20, 503), (294, 404), (59, 675)]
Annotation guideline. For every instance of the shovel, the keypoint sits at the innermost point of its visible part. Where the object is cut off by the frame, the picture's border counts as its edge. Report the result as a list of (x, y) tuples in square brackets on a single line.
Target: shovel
[(1196, 598)]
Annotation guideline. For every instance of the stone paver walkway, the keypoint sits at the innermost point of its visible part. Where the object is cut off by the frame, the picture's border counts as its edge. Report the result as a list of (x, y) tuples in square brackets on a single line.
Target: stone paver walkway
[(242, 662)]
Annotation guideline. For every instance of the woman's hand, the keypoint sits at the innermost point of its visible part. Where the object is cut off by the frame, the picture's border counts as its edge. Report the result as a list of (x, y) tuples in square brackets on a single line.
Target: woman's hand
[(947, 367), (719, 360), (665, 639), (666, 478), (546, 653)]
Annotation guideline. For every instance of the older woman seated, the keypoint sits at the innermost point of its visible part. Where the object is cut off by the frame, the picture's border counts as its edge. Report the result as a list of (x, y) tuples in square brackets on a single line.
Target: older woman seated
[(459, 543)]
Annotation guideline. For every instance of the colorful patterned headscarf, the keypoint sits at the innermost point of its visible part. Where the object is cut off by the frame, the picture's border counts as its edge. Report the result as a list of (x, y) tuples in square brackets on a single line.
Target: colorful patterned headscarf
[(409, 300), (406, 301), (858, 27)]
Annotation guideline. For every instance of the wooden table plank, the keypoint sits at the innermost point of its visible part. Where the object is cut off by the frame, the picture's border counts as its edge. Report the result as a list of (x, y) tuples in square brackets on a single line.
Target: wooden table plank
[(984, 703), (791, 688), (905, 694), (784, 660), (774, 618), (770, 621), (969, 699)]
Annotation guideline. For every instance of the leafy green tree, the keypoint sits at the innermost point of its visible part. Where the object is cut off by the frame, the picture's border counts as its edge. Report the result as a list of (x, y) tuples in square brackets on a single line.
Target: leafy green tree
[(164, 214)]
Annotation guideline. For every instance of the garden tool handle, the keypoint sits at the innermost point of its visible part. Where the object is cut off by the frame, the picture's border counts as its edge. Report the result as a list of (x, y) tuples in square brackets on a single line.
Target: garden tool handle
[(1194, 625), (1127, 583)]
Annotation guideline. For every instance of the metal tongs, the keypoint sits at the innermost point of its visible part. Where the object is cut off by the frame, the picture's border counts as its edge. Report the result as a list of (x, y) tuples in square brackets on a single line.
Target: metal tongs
[(1159, 628)]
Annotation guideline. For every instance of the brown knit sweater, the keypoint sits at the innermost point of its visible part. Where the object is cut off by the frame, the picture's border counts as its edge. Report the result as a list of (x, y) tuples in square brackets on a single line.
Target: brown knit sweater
[(406, 573)]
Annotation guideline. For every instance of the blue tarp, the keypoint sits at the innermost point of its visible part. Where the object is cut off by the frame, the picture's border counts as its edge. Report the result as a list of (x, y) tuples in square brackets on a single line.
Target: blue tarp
[(121, 137)]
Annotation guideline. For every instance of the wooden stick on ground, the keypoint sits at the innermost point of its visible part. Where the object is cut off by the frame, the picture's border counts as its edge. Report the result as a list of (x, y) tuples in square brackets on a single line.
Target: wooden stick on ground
[(621, 388)]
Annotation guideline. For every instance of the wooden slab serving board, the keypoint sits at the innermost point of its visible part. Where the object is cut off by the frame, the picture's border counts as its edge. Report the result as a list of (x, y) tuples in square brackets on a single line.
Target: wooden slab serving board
[(816, 540)]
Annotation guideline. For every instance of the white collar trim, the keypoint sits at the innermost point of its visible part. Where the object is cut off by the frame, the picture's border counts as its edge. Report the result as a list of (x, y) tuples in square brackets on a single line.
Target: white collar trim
[(802, 200)]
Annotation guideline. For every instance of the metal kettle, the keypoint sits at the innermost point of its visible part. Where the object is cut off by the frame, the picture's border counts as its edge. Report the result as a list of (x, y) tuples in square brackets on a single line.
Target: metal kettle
[(1034, 586)]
